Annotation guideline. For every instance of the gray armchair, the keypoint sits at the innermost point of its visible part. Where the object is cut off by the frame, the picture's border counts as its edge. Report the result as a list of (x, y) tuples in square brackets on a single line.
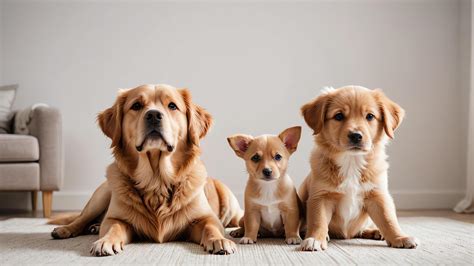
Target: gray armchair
[(34, 162)]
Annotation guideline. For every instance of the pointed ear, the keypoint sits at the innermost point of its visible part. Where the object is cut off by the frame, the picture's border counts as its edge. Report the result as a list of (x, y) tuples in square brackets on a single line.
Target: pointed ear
[(240, 143), (199, 120), (290, 137), (392, 113), (110, 120), (314, 112)]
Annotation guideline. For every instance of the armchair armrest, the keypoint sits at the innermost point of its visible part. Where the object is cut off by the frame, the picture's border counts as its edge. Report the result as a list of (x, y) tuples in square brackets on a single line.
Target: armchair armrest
[(46, 126)]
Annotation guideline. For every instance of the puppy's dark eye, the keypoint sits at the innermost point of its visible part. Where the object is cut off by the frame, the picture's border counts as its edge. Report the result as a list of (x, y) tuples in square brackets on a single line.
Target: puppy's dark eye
[(339, 116), (255, 158), (370, 117), (278, 157), (172, 106), (137, 106)]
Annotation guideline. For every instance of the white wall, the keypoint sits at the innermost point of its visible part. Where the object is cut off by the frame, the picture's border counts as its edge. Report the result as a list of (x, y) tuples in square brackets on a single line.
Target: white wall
[(252, 65)]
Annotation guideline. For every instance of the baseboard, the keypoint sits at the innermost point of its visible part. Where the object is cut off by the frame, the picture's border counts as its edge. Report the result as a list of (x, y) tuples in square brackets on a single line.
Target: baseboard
[(62, 200), (427, 199), (416, 200), (76, 200)]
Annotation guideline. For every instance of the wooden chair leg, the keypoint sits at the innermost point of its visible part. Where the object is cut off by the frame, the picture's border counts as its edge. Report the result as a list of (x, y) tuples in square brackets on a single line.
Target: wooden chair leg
[(47, 203), (34, 200)]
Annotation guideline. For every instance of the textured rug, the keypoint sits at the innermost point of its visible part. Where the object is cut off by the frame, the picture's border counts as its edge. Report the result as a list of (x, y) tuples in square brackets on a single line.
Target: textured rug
[(443, 241)]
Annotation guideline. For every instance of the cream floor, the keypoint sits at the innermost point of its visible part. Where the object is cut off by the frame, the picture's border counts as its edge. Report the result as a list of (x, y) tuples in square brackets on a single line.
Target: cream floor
[(446, 238)]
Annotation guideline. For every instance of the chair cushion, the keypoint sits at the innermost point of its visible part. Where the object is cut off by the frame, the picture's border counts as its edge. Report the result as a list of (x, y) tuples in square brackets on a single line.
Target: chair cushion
[(19, 176), (18, 148)]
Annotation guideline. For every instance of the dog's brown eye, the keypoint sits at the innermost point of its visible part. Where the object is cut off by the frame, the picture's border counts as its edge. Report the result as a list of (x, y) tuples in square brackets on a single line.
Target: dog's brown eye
[(255, 158), (137, 106), (339, 117), (370, 117), (278, 157), (172, 106)]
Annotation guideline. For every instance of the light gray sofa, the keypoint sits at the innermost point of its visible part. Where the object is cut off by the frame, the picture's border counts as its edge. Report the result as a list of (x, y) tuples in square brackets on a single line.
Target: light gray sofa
[(34, 162)]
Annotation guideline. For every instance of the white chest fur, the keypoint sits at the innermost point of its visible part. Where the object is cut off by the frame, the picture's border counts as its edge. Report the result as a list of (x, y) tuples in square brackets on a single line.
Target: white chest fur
[(350, 205), (270, 213)]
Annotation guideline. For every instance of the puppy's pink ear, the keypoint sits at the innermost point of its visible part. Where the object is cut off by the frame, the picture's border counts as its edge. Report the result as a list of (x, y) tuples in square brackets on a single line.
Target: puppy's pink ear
[(314, 112), (392, 113), (110, 120), (290, 137), (240, 143)]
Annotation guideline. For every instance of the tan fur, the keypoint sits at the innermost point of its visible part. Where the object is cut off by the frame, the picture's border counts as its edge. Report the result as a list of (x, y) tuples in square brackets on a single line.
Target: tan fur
[(347, 186), (63, 218), (272, 206), (160, 191)]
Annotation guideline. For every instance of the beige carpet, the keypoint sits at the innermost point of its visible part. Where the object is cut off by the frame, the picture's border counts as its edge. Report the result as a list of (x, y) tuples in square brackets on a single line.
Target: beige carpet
[(445, 241)]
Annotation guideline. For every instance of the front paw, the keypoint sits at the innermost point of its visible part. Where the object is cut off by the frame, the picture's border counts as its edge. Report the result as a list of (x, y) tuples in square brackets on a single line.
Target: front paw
[(371, 234), (295, 240), (94, 229), (62, 232), (237, 233), (106, 247), (403, 242), (312, 244), (220, 246), (247, 240)]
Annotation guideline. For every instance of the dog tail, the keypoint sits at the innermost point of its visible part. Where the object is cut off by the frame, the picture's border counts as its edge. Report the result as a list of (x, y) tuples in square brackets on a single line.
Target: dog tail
[(63, 219)]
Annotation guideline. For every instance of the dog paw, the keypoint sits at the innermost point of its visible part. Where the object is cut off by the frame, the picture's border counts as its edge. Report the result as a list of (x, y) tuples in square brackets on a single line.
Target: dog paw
[(371, 234), (220, 246), (61, 233), (247, 240), (312, 244), (403, 242), (106, 247), (237, 233), (94, 229), (293, 240)]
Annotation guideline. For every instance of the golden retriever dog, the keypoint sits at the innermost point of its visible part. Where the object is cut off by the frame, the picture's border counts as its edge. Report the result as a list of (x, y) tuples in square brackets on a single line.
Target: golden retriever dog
[(157, 188), (272, 206), (347, 187)]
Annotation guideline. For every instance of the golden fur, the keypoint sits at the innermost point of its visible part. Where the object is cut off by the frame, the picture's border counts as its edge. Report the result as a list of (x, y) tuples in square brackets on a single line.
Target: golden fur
[(157, 188), (347, 186), (272, 206)]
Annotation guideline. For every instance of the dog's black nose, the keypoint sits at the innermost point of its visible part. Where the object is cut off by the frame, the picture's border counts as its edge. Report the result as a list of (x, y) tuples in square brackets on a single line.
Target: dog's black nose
[(153, 116), (355, 137), (267, 172)]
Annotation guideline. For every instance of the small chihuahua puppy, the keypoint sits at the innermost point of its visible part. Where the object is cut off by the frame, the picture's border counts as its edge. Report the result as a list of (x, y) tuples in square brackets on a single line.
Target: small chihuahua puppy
[(272, 206)]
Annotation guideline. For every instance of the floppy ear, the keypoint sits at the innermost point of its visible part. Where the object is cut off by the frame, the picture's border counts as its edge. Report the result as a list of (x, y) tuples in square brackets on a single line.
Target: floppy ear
[(314, 112), (392, 113), (199, 120), (290, 137), (240, 143), (110, 120)]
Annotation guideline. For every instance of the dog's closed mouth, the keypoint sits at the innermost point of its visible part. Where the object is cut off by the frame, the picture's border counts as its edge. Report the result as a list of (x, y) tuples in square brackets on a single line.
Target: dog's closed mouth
[(154, 134), (356, 148)]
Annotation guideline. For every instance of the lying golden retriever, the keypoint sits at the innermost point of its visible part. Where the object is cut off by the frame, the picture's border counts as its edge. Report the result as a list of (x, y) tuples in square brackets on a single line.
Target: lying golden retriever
[(347, 185), (157, 188)]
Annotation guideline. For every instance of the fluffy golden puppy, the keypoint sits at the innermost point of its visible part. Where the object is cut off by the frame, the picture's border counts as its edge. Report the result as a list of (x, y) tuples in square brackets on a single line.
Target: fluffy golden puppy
[(347, 186), (272, 206), (157, 188)]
